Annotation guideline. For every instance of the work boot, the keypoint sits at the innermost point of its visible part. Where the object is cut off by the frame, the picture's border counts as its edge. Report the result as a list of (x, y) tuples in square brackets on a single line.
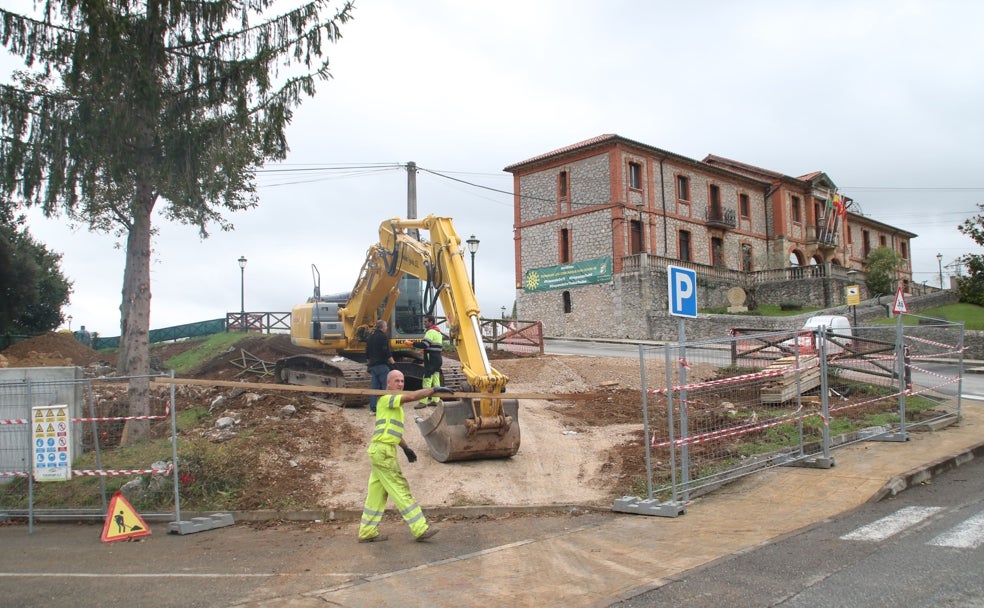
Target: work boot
[(429, 532), (375, 539)]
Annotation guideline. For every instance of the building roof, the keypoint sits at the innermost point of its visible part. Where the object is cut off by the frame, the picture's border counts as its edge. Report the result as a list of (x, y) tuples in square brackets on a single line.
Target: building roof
[(608, 140)]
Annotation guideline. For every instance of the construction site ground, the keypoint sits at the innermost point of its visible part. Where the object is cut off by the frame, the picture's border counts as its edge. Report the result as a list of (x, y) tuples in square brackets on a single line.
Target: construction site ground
[(572, 557), (583, 452)]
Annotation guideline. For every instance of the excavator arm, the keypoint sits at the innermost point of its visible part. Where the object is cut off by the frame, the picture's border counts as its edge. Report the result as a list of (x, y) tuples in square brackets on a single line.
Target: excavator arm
[(485, 427)]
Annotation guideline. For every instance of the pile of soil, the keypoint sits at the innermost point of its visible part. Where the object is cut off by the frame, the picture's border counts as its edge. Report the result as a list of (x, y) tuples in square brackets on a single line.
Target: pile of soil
[(50, 350)]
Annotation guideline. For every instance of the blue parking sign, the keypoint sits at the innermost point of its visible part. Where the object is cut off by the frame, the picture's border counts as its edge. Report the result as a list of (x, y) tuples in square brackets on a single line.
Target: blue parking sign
[(682, 291)]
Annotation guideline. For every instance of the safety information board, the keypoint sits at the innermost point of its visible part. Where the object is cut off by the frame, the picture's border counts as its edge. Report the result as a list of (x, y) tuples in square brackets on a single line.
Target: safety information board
[(50, 434)]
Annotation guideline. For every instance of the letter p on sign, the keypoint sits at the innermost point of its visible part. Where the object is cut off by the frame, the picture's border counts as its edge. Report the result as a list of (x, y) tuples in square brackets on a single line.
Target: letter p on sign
[(682, 291)]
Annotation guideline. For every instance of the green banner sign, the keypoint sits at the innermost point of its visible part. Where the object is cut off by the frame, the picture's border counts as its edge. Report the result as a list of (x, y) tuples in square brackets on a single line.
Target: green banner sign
[(588, 272)]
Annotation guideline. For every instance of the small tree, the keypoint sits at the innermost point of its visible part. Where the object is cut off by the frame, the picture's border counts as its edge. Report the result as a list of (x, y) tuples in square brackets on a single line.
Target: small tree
[(134, 102), (33, 289), (880, 269), (971, 287)]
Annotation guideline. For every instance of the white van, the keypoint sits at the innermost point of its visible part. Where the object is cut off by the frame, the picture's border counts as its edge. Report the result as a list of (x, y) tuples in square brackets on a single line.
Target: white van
[(807, 340)]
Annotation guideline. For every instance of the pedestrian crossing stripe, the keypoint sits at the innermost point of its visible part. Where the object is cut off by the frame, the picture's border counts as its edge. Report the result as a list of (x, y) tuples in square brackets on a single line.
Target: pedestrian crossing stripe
[(969, 534), (122, 521), (892, 524)]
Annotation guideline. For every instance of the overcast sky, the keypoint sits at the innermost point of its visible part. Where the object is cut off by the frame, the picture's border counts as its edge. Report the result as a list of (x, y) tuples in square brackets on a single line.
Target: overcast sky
[(885, 97)]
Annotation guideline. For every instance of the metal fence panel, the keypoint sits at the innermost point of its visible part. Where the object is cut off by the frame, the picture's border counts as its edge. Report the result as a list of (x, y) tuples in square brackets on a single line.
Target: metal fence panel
[(717, 410), (101, 462)]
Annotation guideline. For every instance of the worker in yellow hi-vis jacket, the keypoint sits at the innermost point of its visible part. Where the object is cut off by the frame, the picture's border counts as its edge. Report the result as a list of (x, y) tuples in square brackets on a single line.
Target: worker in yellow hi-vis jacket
[(433, 345), (386, 480)]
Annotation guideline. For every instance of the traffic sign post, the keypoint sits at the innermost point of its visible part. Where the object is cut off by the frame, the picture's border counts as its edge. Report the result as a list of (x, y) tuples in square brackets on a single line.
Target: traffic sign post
[(682, 291)]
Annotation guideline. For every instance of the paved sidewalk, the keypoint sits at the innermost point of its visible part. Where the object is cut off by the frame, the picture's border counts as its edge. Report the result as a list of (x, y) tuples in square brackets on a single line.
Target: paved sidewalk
[(595, 564)]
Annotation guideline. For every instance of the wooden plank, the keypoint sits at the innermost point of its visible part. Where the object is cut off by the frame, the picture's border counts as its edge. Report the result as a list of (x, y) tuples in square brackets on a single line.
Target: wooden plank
[(368, 391)]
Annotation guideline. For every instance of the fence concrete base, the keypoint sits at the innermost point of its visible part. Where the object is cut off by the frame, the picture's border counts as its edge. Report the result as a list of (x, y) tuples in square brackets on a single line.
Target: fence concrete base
[(201, 524), (648, 506)]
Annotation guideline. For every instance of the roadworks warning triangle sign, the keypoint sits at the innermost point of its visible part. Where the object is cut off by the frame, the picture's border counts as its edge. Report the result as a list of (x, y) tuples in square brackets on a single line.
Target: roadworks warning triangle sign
[(900, 305), (122, 521)]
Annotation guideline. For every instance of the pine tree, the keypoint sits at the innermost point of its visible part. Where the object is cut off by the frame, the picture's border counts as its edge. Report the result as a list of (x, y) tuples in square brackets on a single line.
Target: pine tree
[(124, 104)]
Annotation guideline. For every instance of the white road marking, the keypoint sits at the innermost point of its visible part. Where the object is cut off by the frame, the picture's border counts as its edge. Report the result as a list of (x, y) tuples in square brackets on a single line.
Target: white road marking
[(968, 535), (892, 524)]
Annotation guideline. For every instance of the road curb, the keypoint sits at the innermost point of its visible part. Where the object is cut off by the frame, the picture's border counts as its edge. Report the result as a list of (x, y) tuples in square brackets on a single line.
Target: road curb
[(924, 473)]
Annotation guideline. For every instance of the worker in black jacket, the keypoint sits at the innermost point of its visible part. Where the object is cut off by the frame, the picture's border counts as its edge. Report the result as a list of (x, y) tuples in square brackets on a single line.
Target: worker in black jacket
[(378, 359)]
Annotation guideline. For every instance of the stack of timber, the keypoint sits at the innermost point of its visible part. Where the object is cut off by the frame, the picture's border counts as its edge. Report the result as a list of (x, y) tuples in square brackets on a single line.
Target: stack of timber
[(792, 382)]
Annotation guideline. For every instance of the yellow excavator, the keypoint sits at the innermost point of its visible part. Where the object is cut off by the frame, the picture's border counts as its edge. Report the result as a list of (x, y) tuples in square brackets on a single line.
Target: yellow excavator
[(475, 427)]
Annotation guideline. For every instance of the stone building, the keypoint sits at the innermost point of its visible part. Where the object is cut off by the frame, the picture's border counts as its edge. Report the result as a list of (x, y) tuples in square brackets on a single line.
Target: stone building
[(596, 223)]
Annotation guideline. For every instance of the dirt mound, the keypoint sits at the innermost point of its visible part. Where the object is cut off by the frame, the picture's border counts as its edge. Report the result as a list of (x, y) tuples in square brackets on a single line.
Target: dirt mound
[(50, 350)]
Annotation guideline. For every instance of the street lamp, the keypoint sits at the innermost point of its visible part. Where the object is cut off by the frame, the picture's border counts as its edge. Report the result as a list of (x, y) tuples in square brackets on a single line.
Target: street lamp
[(472, 248), (939, 260), (242, 292), (69, 322)]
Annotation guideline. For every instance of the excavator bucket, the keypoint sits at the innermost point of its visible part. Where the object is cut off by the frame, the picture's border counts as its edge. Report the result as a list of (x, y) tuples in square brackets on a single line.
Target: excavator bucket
[(452, 434)]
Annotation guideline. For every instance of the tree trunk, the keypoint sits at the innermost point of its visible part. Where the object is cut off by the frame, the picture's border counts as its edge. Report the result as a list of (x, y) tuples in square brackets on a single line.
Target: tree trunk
[(134, 354)]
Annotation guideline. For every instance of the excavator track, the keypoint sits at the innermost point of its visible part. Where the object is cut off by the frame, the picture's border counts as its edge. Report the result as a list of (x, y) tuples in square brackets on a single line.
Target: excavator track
[(325, 370), (311, 369)]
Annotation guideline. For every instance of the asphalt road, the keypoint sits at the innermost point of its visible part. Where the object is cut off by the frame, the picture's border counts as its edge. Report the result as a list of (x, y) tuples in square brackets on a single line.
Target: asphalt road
[(922, 549)]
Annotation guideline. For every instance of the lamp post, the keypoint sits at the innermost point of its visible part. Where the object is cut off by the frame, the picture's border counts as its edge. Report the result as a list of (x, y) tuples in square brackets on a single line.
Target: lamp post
[(242, 292), (472, 248), (939, 260), (69, 322)]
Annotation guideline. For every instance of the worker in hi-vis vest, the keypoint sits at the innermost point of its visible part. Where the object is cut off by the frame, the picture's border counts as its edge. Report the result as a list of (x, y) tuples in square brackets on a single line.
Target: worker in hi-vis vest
[(386, 480), (432, 344)]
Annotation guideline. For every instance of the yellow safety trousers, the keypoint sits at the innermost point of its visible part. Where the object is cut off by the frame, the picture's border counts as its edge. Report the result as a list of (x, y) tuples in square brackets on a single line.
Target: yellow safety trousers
[(386, 480), (429, 381)]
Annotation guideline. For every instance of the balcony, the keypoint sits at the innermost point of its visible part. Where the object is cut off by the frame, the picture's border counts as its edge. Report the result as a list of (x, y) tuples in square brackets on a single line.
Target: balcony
[(716, 217), (824, 237)]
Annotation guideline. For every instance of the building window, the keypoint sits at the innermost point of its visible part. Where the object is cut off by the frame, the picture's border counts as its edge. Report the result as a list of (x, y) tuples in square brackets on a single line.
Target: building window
[(744, 205), (565, 246), (683, 188), (635, 237), (865, 243), (635, 176), (685, 246), (714, 194), (746, 257), (563, 186), (795, 211), (717, 252), (568, 302), (882, 242), (904, 250)]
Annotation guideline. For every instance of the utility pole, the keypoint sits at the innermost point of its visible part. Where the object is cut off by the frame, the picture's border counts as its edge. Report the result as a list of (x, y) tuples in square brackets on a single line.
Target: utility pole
[(412, 196)]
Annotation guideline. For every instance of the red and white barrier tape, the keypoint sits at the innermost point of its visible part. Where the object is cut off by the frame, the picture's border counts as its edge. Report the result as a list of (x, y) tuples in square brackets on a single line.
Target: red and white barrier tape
[(733, 431), (167, 412), (115, 472), (731, 380), (100, 472), (952, 347)]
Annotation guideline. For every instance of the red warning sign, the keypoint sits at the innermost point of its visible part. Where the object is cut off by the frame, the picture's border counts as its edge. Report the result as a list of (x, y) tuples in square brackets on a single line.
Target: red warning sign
[(122, 521)]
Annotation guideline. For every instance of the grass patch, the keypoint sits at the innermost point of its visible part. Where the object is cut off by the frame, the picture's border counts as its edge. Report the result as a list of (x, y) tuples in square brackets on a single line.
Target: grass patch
[(205, 350), (971, 315), (762, 310)]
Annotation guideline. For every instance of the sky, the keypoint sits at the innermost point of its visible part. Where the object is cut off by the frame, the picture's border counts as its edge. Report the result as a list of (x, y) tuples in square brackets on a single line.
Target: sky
[(883, 96)]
